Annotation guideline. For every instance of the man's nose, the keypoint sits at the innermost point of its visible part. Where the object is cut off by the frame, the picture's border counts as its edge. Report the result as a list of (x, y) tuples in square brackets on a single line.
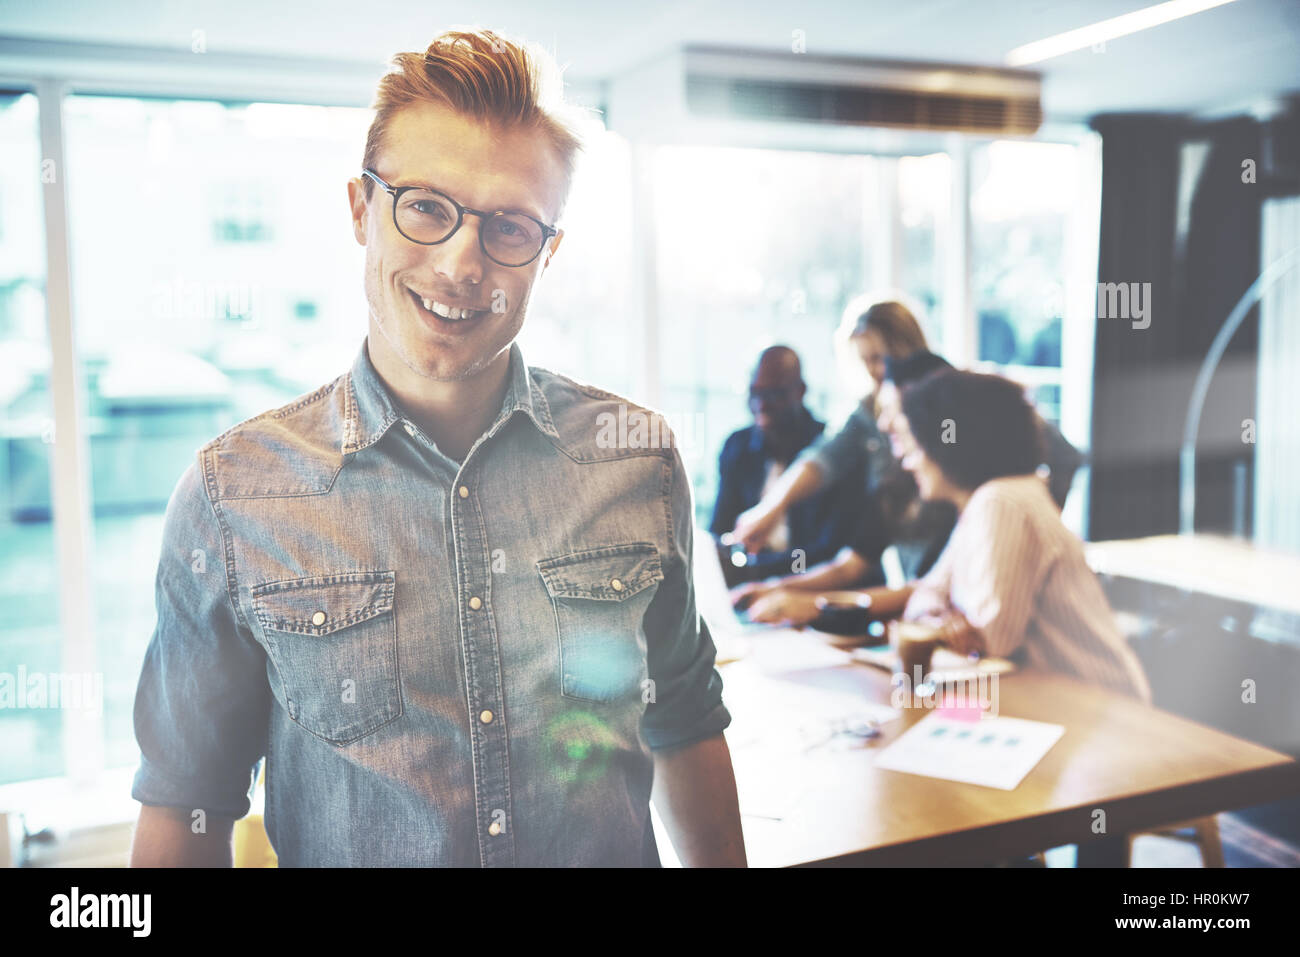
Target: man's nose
[(460, 260)]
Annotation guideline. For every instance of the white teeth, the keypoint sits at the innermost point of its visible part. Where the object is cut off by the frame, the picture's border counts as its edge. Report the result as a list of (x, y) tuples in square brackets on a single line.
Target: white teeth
[(446, 312)]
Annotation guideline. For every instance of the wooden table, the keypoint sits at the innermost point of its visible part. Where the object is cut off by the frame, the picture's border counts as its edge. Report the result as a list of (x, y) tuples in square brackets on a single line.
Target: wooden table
[(811, 798), (1213, 565)]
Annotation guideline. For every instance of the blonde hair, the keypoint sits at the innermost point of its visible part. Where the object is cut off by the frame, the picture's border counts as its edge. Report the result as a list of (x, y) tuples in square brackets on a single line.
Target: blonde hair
[(888, 317), (482, 75)]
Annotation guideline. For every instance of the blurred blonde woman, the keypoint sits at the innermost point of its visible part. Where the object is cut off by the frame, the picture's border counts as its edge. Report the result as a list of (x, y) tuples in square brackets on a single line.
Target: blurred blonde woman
[(876, 329), (885, 335)]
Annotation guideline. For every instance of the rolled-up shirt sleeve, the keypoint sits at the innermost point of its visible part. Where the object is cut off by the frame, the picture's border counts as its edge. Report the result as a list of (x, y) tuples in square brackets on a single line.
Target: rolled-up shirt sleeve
[(839, 454), (685, 695), (202, 702)]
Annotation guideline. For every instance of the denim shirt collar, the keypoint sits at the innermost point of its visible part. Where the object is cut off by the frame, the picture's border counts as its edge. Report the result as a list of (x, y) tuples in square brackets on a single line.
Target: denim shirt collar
[(371, 409)]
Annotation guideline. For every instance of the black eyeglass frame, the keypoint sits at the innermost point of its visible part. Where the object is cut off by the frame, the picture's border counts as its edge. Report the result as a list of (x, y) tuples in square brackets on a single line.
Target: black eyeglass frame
[(397, 191)]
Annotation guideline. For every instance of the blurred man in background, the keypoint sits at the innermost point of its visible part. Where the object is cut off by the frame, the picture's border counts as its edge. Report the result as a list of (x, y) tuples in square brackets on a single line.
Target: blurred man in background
[(753, 460)]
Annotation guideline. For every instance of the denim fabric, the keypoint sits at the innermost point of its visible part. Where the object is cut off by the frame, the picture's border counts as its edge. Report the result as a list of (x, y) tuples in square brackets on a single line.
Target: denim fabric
[(441, 663), (858, 445), (860, 451)]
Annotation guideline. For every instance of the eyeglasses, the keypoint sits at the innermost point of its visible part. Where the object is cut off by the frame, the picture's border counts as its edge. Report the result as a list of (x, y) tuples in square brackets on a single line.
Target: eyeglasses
[(428, 217)]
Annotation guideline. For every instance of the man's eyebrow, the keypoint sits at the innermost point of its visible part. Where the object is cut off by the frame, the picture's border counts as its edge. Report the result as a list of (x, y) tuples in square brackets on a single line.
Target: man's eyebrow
[(535, 214)]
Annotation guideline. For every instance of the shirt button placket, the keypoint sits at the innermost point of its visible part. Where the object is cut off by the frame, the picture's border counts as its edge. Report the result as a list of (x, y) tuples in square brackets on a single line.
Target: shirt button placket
[(492, 772)]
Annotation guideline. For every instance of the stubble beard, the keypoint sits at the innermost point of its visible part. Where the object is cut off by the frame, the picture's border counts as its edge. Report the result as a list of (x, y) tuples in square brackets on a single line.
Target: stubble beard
[(401, 335)]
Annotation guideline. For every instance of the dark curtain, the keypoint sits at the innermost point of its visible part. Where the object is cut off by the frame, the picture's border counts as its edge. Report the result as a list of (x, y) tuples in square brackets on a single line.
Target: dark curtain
[(1223, 259), (1197, 267)]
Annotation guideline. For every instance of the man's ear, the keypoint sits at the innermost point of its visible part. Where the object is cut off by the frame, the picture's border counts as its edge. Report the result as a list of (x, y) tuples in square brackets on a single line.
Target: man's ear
[(555, 244), (357, 200)]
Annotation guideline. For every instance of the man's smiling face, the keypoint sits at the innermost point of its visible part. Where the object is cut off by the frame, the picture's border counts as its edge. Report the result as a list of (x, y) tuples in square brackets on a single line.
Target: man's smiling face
[(482, 167)]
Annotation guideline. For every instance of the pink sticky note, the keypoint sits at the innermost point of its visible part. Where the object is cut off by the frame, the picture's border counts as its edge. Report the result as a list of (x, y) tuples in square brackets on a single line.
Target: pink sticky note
[(959, 709)]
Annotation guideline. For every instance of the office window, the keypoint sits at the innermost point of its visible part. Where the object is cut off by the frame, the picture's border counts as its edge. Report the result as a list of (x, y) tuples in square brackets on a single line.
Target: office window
[(29, 586), (759, 247), (924, 203), (578, 319), (214, 276), (754, 248), (1022, 194)]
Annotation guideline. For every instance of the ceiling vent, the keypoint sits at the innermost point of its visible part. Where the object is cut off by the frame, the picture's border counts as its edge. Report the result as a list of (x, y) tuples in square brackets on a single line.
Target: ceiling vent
[(788, 87)]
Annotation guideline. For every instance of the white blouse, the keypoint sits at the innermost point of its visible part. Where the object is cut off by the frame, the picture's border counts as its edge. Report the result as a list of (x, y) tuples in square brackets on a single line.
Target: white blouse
[(1017, 574)]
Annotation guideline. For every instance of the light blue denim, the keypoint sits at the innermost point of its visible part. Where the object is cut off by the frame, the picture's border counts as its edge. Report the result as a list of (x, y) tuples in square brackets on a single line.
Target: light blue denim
[(441, 664), (859, 442)]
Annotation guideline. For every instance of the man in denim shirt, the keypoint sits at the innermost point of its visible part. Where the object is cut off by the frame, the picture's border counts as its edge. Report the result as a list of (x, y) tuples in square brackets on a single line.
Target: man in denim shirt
[(454, 617)]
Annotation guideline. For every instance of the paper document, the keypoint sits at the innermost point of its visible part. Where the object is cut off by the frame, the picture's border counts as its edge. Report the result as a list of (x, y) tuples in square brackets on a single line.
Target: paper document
[(779, 726), (946, 667), (994, 752)]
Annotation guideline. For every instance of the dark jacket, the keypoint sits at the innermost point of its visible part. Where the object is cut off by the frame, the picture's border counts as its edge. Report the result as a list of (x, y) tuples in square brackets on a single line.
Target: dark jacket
[(820, 525)]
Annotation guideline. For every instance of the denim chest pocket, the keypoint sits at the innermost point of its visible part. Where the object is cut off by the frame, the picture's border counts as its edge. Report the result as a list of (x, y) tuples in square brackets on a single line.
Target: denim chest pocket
[(600, 596), (333, 639)]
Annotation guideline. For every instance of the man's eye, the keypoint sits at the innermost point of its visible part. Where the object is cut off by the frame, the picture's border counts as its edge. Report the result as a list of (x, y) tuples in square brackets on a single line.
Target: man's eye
[(508, 229), (428, 207)]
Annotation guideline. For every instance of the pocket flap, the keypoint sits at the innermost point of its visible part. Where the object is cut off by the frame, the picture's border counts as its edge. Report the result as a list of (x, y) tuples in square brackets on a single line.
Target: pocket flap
[(611, 573), (323, 605)]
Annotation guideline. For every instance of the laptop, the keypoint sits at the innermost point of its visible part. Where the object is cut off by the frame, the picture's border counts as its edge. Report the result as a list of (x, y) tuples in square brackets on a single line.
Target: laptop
[(713, 602)]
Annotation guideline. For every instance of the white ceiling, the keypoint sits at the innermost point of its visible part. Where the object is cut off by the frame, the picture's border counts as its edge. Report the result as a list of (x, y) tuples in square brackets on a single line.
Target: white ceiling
[(1229, 59)]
